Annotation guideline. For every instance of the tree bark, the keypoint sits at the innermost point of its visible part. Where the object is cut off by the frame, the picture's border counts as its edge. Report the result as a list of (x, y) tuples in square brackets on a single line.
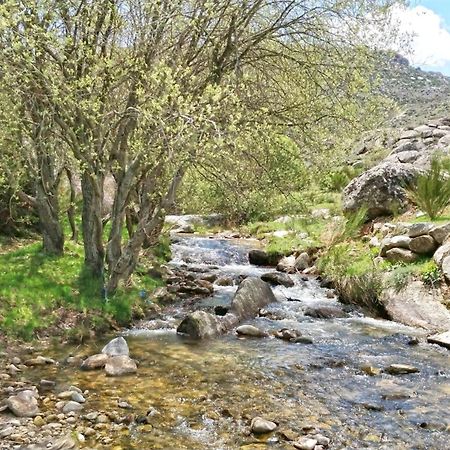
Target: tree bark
[(151, 221), (71, 209), (47, 206), (92, 226)]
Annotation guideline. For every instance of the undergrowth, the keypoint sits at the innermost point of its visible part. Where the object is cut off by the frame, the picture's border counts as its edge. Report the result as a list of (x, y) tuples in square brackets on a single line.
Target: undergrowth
[(33, 286)]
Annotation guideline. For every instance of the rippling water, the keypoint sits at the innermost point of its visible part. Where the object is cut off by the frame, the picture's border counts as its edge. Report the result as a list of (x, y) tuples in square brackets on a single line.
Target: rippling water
[(204, 394)]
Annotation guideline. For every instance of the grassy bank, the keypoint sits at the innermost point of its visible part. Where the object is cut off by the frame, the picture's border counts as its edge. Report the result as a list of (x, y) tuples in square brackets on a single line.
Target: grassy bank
[(39, 292)]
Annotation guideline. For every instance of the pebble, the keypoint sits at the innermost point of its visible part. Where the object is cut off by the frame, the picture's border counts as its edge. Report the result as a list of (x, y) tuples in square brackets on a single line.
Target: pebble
[(39, 421), (260, 425), (401, 369), (305, 444), (78, 397), (72, 406)]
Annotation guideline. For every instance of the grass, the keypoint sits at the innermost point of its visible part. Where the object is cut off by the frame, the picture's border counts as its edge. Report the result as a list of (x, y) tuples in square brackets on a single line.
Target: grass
[(33, 286)]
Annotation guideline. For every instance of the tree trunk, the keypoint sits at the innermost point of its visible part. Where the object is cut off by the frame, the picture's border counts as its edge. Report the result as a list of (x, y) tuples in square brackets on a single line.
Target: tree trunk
[(94, 253), (71, 209), (151, 221), (47, 206)]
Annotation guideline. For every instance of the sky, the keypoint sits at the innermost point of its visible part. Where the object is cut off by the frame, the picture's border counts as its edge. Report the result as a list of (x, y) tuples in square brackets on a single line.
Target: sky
[(429, 23)]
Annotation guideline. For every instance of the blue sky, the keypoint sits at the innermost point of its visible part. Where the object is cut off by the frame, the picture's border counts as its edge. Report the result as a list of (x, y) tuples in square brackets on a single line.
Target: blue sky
[(429, 21)]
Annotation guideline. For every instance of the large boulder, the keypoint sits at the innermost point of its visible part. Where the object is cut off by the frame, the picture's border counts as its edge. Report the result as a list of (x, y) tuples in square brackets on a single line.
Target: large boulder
[(417, 305), (252, 295), (380, 189)]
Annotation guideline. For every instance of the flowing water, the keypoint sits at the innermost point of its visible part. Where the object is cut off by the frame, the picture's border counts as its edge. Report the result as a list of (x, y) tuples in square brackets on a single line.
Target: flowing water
[(204, 394)]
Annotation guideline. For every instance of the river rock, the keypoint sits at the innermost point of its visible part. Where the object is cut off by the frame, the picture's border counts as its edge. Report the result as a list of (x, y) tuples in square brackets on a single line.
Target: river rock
[(23, 404), (250, 330), (325, 312), (116, 347), (306, 443), (120, 365), (39, 361), (278, 279), (64, 443), (262, 258), (286, 264), (419, 229), (441, 253), (401, 255), (442, 339), (302, 262), (261, 426), (95, 362), (445, 267), (380, 189), (417, 305), (401, 369), (224, 281), (252, 295), (287, 334), (394, 242), (440, 233), (423, 245), (72, 407)]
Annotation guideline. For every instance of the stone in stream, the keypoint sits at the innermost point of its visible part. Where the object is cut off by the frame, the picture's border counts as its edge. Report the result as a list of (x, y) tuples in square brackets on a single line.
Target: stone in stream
[(262, 258), (442, 339), (252, 295), (278, 279), (72, 407), (261, 426), (302, 262), (286, 264), (23, 404), (325, 312), (64, 443), (95, 362), (116, 347), (250, 330), (288, 335), (306, 443), (401, 369), (120, 365)]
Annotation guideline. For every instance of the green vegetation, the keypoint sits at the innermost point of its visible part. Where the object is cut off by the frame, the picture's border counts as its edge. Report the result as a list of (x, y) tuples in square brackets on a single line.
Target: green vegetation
[(431, 190), (36, 289), (401, 274)]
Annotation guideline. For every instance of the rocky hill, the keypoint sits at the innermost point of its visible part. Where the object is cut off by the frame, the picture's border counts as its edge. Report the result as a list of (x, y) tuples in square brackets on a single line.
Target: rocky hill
[(420, 95)]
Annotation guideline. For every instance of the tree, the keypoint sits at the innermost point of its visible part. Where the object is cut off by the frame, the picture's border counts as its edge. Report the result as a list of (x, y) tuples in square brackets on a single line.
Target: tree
[(145, 89)]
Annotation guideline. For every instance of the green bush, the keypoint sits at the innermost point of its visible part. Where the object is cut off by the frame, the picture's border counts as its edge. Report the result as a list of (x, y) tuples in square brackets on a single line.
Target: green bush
[(431, 190)]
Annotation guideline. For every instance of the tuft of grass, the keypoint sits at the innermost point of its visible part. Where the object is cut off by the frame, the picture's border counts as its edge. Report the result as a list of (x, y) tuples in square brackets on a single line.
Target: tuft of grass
[(34, 285), (431, 190), (401, 274)]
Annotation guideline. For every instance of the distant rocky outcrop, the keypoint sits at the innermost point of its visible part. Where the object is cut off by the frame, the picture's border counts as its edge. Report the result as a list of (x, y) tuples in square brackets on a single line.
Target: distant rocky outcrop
[(381, 189)]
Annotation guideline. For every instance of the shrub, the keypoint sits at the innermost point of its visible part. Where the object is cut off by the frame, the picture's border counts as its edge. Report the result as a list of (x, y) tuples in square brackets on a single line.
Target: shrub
[(431, 191)]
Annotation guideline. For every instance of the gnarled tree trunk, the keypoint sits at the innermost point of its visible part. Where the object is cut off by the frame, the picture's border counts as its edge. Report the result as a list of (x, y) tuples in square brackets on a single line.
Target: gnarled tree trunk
[(92, 225)]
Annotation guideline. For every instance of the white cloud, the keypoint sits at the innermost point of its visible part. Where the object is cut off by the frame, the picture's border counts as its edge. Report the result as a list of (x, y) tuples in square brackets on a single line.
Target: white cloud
[(429, 38)]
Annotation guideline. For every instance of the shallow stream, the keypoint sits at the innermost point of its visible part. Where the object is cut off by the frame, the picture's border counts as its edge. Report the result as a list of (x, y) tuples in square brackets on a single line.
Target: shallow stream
[(203, 395)]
